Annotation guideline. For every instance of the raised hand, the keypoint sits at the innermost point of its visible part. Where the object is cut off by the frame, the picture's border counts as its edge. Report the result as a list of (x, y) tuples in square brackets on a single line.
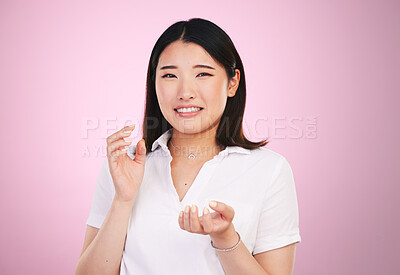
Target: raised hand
[(127, 174)]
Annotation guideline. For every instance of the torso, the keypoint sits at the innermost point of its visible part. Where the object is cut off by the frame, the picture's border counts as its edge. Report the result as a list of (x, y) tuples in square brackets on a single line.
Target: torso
[(183, 175), (185, 171)]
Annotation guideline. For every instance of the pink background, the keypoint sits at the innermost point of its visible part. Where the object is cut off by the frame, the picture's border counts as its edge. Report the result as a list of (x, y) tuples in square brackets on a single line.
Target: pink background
[(323, 83)]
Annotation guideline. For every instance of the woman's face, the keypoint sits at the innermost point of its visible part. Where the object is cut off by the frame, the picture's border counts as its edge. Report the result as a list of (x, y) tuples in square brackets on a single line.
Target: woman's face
[(187, 76)]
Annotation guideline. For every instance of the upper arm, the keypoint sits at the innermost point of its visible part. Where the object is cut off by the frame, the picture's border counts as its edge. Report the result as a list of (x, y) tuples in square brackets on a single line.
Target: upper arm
[(102, 197), (101, 201), (278, 261), (278, 227), (91, 233)]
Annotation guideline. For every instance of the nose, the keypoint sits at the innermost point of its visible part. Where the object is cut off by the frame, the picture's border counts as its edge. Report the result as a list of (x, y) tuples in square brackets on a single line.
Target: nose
[(186, 91)]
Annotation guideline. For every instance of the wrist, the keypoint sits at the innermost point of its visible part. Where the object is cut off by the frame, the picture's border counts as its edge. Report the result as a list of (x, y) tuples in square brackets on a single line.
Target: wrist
[(122, 202), (227, 239)]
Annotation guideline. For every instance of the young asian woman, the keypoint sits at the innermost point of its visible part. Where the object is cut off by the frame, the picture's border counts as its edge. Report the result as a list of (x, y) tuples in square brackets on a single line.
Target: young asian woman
[(194, 196)]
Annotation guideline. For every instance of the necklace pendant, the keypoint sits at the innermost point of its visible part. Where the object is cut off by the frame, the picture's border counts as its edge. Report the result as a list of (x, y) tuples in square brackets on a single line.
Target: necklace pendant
[(191, 156)]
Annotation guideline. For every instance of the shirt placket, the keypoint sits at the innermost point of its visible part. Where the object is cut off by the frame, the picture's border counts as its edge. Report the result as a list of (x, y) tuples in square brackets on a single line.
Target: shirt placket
[(201, 180)]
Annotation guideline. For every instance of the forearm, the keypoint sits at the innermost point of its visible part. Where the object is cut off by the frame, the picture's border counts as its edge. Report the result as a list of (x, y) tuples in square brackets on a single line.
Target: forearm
[(239, 260), (104, 254)]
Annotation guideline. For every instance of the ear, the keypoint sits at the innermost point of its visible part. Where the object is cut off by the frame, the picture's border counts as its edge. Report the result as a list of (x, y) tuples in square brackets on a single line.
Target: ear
[(234, 84)]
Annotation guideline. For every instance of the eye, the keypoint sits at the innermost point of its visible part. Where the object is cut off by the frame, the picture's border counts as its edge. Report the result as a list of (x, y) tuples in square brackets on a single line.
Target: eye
[(205, 74), (165, 76), (168, 75)]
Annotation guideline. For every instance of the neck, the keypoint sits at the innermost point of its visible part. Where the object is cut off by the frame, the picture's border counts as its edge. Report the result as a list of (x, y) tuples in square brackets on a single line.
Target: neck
[(204, 143)]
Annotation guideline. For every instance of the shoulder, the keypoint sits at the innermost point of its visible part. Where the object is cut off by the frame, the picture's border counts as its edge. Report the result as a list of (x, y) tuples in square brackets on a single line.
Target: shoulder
[(261, 156), (275, 160), (269, 158), (266, 154), (260, 163)]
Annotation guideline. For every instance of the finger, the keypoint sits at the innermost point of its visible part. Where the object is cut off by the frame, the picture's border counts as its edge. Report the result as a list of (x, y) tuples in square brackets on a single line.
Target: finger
[(207, 222), (118, 144), (194, 220), (124, 132), (140, 155), (186, 218), (116, 153), (180, 220), (225, 210)]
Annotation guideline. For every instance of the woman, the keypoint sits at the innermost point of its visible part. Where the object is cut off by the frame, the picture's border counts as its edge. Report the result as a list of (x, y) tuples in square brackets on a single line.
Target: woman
[(150, 210)]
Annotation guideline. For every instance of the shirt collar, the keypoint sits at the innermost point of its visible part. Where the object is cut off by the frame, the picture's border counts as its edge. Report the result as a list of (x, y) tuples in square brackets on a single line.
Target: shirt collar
[(163, 140)]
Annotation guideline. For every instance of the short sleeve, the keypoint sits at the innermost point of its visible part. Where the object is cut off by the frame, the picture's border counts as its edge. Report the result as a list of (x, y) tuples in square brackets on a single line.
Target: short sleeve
[(102, 197), (279, 218)]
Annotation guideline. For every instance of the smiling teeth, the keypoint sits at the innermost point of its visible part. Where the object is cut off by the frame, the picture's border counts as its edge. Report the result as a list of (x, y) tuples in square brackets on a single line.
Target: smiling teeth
[(186, 110)]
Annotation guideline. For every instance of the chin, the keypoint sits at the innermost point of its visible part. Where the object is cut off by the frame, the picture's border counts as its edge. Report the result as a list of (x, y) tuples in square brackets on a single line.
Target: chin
[(188, 130)]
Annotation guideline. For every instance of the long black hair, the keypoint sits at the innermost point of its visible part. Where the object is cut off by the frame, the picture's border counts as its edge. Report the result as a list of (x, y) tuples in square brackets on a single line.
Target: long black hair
[(218, 44)]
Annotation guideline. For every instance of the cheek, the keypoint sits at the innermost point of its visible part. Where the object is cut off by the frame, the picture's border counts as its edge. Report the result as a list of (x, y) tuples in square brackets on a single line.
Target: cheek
[(217, 95), (163, 95), (165, 87)]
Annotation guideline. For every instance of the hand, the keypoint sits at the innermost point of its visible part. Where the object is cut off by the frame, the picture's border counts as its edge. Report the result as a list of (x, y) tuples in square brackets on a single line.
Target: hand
[(127, 174), (215, 224)]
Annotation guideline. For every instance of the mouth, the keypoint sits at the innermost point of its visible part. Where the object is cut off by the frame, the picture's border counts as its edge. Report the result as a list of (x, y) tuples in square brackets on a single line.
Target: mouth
[(188, 110)]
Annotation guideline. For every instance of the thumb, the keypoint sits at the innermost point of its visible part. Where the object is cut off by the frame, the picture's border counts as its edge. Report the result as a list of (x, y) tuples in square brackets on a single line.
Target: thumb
[(222, 208), (140, 154)]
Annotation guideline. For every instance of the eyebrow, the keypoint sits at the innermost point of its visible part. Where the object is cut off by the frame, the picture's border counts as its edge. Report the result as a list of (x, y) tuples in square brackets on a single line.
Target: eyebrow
[(195, 66)]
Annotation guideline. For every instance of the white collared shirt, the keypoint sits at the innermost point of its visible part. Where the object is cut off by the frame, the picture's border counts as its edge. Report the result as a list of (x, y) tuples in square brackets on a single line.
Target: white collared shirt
[(257, 183)]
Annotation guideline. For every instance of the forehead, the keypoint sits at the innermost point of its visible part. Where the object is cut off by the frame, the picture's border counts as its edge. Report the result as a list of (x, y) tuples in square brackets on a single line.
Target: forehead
[(185, 54)]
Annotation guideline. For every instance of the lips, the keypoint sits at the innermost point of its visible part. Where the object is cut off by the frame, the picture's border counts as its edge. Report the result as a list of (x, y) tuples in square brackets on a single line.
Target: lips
[(188, 114), (176, 109), (187, 106)]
